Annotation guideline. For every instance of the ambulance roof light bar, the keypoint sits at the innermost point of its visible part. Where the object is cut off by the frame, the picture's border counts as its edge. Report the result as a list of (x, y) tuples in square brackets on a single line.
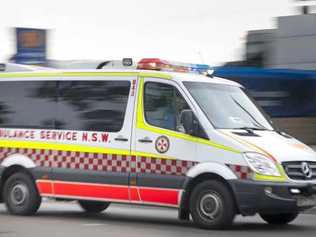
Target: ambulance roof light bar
[(164, 65)]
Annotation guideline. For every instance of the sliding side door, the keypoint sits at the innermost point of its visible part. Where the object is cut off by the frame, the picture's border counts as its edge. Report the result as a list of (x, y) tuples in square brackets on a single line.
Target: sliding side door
[(94, 121)]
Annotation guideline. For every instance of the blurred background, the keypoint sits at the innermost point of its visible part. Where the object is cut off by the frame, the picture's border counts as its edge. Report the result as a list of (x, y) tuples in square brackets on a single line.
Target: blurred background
[(212, 32), (268, 46)]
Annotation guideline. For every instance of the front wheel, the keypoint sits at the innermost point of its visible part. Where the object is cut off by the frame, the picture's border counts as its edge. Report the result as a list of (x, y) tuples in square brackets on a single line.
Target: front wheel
[(279, 219), (212, 205), (93, 207)]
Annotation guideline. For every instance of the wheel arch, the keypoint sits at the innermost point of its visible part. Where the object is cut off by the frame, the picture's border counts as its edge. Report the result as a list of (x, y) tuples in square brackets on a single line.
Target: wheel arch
[(18, 159), (221, 170), (13, 164), (207, 172)]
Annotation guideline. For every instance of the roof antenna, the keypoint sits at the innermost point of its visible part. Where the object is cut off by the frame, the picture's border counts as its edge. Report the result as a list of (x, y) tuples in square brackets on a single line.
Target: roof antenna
[(101, 65)]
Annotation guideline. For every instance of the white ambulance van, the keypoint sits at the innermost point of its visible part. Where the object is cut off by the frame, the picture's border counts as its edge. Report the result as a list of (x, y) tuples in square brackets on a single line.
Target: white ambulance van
[(152, 137)]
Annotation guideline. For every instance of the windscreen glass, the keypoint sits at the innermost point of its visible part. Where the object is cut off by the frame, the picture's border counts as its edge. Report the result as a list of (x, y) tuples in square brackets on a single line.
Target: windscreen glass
[(227, 107)]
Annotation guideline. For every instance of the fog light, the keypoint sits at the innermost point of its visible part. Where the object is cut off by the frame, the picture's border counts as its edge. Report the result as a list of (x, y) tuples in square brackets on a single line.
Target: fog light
[(295, 191)]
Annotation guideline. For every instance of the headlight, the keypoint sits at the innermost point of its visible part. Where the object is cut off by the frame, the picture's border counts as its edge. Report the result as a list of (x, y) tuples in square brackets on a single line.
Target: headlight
[(261, 164)]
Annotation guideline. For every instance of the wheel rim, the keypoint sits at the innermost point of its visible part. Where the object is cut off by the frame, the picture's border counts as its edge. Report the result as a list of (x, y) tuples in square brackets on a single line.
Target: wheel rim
[(211, 206), (19, 194)]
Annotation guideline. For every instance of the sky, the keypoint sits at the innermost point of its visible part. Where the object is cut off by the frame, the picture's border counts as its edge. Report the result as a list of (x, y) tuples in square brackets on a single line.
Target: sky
[(196, 31)]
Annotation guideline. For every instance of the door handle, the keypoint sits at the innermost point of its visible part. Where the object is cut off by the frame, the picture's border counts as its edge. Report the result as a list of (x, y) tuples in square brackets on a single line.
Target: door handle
[(121, 139), (145, 140)]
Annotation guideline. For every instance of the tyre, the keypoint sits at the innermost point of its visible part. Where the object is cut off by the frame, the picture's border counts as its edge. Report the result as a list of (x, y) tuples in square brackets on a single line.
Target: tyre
[(279, 219), (93, 207), (212, 205), (20, 195)]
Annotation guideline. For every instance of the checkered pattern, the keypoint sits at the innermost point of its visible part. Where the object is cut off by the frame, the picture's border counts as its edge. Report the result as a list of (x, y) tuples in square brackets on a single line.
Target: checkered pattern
[(242, 172), (100, 162), (93, 161), (163, 166)]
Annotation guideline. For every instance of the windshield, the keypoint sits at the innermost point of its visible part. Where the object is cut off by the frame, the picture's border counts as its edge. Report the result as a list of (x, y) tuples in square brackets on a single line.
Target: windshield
[(227, 107)]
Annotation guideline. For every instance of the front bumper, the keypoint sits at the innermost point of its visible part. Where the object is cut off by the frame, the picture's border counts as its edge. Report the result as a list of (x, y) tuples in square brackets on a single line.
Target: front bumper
[(270, 197)]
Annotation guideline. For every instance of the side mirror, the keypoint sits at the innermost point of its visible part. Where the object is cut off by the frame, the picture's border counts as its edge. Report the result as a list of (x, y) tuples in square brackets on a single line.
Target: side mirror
[(188, 121)]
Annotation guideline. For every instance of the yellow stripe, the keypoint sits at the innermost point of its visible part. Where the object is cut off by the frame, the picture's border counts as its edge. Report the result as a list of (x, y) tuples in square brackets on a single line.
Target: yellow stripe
[(150, 155), (60, 147), (141, 124), (81, 74), (75, 148), (155, 75)]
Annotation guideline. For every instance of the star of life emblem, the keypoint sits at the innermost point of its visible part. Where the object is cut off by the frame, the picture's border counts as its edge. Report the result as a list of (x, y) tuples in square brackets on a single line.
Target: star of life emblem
[(162, 144)]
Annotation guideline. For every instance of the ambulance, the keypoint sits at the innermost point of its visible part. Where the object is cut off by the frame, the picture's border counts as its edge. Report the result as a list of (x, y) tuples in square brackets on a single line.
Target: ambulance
[(163, 134)]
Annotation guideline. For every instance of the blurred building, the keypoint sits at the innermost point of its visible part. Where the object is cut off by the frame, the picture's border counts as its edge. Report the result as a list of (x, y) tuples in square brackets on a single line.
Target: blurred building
[(294, 43), (290, 45), (259, 47)]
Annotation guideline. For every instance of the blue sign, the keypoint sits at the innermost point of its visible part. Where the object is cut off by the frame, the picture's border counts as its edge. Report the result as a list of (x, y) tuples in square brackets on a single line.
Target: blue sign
[(30, 46)]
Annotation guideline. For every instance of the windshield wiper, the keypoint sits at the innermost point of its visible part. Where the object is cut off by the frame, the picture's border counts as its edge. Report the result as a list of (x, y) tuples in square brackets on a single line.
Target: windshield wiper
[(258, 126), (251, 129)]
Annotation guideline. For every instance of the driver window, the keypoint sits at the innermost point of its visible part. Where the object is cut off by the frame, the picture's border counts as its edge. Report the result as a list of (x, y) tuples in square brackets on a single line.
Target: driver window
[(163, 105)]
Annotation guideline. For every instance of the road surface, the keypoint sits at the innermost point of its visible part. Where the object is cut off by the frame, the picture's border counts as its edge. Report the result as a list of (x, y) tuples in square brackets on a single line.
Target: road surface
[(67, 219)]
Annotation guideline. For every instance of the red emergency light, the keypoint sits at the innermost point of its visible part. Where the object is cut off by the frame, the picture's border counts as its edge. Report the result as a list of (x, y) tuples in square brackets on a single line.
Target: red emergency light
[(153, 64), (164, 65)]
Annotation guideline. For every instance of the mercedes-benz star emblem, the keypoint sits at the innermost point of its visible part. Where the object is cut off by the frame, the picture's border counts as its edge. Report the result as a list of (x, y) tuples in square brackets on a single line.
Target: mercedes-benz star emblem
[(306, 169)]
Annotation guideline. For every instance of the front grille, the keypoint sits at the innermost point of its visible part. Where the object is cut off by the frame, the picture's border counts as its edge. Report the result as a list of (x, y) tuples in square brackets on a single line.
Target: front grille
[(294, 170)]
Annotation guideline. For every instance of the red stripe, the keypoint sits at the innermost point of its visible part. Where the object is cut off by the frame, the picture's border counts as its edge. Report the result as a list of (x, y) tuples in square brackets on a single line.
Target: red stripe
[(111, 192), (94, 191), (161, 196), (44, 187)]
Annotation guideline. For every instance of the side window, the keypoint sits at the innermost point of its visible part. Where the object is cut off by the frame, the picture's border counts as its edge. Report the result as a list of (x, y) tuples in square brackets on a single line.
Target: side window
[(27, 104), (163, 105), (92, 105)]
